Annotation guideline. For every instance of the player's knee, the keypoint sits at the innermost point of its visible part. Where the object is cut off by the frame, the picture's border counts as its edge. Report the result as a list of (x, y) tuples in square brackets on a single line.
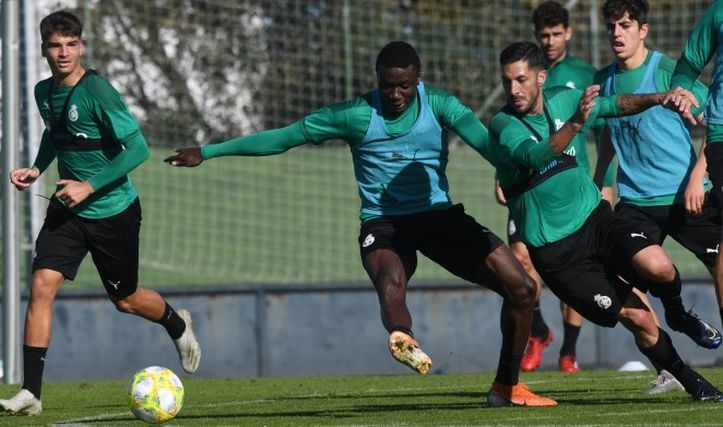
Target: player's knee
[(124, 304), (660, 269), (637, 319), (523, 293)]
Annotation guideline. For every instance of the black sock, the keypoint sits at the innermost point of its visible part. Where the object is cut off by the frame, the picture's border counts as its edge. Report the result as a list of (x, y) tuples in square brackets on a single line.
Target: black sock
[(403, 329), (33, 366), (663, 355), (570, 341), (669, 293), (539, 327), (175, 326), (508, 370)]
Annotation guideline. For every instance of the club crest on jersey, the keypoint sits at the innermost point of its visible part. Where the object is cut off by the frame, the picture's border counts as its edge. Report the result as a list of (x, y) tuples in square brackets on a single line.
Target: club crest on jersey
[(558, 124), (603, 301), (73, 113)]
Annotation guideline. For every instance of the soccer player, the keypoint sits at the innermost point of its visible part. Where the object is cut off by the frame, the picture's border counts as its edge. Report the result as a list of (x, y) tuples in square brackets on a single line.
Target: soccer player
[(702, 44), (95, 208), (553, 31), (396, 135), (588, 257), (660, 180)]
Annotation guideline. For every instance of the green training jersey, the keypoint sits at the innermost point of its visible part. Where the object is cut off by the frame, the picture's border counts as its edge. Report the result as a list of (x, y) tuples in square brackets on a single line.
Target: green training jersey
[(349, 121), (95, 138), (574, 74), (703, 43), (571, 72), (555, 196)]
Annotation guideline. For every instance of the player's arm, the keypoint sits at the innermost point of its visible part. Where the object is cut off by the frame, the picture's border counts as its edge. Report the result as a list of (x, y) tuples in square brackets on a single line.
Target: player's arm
[(327, 123), (22, 178), (605, 155), (699, 49), (695, 188)]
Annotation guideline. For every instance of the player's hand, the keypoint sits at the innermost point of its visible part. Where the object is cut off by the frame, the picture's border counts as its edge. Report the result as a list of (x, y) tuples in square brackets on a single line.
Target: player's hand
[(190, 157), (694, 197), (499, 194), (586, 104), (681, 101), (23, 177), (73, 193)]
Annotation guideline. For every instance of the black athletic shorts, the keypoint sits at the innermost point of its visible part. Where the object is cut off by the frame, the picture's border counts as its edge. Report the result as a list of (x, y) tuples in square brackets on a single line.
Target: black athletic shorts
[(714, 159), (66, 238), (700, 234), (582, 269), (449, 237)]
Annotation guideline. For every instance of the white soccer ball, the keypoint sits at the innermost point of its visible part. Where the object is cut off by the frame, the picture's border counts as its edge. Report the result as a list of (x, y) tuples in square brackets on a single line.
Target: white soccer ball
[(155, 394)]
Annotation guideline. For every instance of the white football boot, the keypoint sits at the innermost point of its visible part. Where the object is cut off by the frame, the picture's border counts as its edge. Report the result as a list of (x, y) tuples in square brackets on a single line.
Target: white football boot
[(23, 403), (188, 348)]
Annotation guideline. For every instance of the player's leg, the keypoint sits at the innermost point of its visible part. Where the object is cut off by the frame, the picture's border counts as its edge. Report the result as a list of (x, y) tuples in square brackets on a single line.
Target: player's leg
[(701, 234), (657, 346), (59, 250), (653, 269), (113, 244), (468, 250), (38, 329), (540, 333), (571, 323), (389, 264)]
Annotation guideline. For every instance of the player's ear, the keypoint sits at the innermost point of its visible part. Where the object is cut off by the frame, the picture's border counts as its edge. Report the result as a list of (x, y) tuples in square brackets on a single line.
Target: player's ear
[(644, 30), (42, 50), (541, 77), (568, 33), (82, 47)]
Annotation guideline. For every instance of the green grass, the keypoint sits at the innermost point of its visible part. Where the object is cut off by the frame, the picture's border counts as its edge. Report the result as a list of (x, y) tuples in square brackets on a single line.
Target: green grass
[(590, 398)]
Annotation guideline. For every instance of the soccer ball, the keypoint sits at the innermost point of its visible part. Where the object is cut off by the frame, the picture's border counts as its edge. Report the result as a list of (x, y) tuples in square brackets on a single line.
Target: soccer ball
[(155, 394)]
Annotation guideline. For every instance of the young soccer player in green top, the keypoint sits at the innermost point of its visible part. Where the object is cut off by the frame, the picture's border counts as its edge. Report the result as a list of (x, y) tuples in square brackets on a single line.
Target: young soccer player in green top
[(660, 179), (396, 135), (95, 208), (575, 242)]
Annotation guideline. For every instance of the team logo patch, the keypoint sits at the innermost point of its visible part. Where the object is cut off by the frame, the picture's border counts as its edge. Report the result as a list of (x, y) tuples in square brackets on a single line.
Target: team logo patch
[(368, 240), (558, 124), (73, 113), (570, 84), (603, 301), (511, 228)]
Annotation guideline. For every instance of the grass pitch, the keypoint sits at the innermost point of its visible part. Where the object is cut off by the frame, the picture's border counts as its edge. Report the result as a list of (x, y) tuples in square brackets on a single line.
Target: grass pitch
[(588, 398)]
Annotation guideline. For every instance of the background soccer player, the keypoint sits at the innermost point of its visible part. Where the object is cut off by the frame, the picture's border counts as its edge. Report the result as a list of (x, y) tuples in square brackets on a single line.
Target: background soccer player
[(95, 208), (396, 137), (575, 241), (703, 43), (660, 180)]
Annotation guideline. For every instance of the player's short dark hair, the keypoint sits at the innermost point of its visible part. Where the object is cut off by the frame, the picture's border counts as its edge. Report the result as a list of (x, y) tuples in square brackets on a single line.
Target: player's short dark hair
[(637, 10), (550, 14), (523, 51), (398, 54), (64, 23)]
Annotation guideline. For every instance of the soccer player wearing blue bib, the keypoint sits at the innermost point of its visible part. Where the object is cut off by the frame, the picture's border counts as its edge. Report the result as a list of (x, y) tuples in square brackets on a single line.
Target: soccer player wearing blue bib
[(396, 135), (660, 180), (95, 208)]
